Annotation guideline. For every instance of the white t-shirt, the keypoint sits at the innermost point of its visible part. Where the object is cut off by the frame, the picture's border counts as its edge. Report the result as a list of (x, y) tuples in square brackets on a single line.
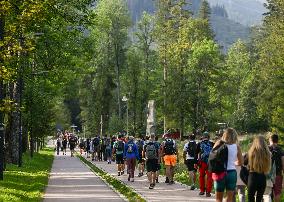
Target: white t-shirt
[(185, 149)]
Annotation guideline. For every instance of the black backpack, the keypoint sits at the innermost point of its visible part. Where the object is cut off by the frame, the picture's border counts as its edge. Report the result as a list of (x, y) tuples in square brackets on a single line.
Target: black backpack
[(276, 158), (191, 148), (96, 141), (119, 146), (218, 158), (140, 145), (169, 147)]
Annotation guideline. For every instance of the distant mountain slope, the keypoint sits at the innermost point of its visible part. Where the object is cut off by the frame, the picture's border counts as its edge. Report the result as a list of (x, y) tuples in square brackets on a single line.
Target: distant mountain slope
[(226, 30), (246, 12)]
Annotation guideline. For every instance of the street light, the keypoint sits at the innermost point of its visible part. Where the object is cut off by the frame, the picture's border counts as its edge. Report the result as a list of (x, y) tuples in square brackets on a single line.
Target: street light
[(125, 99)]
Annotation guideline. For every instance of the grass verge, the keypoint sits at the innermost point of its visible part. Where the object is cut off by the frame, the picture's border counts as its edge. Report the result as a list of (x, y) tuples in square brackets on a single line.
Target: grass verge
[(28, 182), (118, 185)]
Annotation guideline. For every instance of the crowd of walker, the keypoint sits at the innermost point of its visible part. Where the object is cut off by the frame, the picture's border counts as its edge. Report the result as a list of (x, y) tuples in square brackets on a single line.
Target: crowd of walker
[(220, 163)]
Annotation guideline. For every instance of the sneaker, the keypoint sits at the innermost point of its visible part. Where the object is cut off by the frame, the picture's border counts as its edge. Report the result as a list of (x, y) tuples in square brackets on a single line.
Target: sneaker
[(131, 179), (201, 193), (118, 173), (208, 194), (192, 187), (128, 178), (151, 186), (157, 181), (140, 175), (171, 182), (122, 172), (167, 180)]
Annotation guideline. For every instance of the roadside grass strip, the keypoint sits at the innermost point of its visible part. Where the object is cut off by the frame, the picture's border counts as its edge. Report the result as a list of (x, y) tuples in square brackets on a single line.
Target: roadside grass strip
[(28, 182), (119, 186)]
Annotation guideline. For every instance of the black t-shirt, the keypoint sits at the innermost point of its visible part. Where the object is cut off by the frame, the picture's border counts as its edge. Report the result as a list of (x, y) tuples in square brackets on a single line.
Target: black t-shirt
[(277, 154)]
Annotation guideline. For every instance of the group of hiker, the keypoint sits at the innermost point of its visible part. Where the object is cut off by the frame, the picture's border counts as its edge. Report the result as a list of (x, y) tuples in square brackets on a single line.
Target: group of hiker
[(220, 164), (66, 140)]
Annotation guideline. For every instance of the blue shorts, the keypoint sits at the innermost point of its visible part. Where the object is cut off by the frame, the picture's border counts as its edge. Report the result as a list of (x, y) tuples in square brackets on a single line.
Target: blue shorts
[(229, 182)]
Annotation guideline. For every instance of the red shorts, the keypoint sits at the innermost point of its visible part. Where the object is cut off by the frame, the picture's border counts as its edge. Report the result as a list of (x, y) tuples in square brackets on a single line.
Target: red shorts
[(277, 187)]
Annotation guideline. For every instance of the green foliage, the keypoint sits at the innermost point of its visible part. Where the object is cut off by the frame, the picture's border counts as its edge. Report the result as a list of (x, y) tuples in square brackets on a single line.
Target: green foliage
[(28, 182)]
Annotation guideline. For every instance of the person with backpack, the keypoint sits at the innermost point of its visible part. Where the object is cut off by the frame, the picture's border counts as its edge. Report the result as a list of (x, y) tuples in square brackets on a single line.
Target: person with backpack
[(224, 157), (131, 153), (190, 159), (259, 164), (96, 148), (277, 158), (140, 144), (64, 144), (152, 156), (170, 154), (159, 161), (72, 143), (108, 150), (58, 145), (88, 147), (118, 150), (203, 150)]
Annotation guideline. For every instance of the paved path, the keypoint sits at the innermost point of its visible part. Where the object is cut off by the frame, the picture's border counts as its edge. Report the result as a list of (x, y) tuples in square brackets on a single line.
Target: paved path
[(161, 192), (71, 180)]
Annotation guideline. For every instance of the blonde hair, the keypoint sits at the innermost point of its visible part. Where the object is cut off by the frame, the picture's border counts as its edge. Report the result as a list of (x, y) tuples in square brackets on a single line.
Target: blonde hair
[(259, 156), (230, 136)]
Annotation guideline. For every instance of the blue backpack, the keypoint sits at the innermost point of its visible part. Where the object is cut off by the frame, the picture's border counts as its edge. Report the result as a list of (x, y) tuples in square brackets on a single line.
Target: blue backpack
[(206, 147)]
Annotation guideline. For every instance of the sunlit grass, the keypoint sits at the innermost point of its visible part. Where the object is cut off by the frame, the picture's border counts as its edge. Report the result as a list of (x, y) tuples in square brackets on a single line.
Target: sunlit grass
[(28, 182)]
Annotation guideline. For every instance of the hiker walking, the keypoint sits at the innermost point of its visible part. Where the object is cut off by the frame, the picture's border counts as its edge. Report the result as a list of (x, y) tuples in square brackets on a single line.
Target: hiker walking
[(118, 151), (278, 161), (64, 144), (58, 145), (140, 145), (152, 156), (203, 150), (170, 153), (72, 143), (108, 150), (131, 153), (230, 156), (190, 159)]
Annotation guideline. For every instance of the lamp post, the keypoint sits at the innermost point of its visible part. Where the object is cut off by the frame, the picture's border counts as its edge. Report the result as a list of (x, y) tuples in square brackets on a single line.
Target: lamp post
[(125, 99)]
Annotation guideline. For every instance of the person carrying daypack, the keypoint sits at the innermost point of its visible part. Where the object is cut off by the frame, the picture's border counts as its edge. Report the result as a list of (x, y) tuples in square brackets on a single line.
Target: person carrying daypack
[(96, 148), (152, 156), (224, 157), (108, 150), (277, 161), (64, 144), (131, 153), (118, 150), (203, 150), (190, 159), (72, 142), (140, 144), (58, 145), (170, 153)]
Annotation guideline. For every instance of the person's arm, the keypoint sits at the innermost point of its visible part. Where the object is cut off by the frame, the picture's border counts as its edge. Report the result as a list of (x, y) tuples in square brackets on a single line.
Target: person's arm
[(240, 159)]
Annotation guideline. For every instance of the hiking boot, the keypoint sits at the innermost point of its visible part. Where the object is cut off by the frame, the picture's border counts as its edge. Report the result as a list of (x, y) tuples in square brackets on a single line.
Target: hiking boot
[(118, 174), (167, 180), (201, 193), (192, 187), (140, 175), (208, 194)]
